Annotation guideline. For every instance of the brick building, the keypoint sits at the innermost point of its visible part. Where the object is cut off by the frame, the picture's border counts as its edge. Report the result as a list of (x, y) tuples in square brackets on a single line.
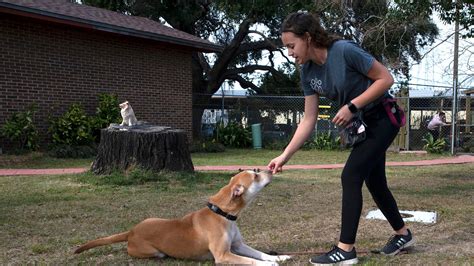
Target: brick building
[(55, 53)]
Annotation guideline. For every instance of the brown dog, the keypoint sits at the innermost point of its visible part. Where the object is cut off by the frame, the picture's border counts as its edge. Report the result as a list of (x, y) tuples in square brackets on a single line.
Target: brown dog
[(208, 233)]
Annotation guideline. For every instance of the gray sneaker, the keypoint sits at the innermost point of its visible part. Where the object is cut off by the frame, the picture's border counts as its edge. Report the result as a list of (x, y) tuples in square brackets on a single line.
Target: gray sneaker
[(396, 243), (335, 256)]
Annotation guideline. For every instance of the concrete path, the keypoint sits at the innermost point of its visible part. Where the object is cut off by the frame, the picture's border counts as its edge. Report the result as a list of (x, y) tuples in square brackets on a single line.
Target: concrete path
[(462, 159), (449, 160)]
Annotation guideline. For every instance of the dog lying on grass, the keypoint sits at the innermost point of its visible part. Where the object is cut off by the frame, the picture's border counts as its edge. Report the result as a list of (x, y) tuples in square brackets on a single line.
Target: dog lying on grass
[(210, 232)]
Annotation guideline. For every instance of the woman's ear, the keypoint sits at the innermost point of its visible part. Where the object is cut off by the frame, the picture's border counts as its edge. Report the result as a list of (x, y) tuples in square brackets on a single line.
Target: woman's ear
[(308, 37)]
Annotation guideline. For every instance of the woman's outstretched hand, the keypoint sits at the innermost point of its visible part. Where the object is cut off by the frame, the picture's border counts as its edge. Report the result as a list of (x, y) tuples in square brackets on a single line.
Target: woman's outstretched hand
[(277, 163)]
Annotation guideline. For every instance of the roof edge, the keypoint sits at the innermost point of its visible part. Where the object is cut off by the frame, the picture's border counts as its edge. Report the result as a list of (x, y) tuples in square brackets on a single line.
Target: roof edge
[(90, 24)]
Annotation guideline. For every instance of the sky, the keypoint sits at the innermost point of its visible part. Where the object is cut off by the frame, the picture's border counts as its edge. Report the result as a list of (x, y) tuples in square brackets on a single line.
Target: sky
[(436, 67)]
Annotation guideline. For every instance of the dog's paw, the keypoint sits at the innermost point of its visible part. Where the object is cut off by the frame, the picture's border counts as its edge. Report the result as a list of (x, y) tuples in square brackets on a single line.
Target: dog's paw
[(277, 258), (283, 257), (267, 263)]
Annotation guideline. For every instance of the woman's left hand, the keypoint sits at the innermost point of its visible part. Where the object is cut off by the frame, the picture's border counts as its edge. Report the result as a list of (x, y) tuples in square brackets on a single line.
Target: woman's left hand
[(343, 116)]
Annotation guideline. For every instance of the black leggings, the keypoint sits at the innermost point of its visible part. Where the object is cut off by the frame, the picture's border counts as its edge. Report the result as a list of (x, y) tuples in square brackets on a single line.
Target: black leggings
[(367, 163)]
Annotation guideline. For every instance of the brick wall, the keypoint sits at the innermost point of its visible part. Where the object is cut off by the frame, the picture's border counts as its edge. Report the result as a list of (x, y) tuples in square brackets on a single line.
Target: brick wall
[(55, 65)]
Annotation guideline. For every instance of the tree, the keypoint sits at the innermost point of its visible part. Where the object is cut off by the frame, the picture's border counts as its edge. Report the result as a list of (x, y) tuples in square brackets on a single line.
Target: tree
[(447, 11), (231, 23), (249, 30), (394, 33)]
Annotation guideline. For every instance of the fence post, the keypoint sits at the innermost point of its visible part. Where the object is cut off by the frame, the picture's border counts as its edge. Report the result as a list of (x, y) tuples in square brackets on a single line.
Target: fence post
[(455, 80), (408, 125)]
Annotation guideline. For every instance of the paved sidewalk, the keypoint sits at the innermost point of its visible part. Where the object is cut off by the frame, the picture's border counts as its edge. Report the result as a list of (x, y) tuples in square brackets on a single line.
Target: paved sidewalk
[(462, 159), (448, 160)]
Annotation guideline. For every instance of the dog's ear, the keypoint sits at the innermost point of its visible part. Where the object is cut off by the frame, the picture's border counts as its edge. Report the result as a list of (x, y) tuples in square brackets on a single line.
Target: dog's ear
[(237, 190)]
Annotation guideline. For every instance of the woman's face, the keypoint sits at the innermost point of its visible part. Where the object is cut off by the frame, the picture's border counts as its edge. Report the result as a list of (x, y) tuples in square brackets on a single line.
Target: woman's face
[(298, 47)]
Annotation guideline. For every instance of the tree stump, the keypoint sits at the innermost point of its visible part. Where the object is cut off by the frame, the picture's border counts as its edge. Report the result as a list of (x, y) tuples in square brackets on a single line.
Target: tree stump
[(145, 146)]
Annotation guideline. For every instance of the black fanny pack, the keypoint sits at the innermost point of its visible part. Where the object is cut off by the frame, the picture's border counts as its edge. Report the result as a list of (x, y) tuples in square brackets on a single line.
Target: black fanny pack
[(354, 132)]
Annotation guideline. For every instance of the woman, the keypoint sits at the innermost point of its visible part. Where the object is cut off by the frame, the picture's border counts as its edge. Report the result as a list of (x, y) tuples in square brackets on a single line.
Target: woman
[(343, 72)]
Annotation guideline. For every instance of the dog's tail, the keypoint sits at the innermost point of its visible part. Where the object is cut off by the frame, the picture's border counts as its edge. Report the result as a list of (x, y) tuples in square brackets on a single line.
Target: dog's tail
[(103, 241)]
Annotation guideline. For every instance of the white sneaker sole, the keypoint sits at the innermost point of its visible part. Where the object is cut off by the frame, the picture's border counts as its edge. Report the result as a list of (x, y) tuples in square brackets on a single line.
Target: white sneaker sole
[(345, 262)]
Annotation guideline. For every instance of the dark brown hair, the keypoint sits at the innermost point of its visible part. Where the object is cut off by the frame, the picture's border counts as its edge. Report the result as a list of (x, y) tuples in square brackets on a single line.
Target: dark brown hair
[(301, 22)]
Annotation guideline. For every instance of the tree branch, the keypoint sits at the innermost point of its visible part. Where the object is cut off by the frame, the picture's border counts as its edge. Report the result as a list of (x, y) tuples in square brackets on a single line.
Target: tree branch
[(227, 55), (434, 47), (251, 69), (243, 82), (270, 45)]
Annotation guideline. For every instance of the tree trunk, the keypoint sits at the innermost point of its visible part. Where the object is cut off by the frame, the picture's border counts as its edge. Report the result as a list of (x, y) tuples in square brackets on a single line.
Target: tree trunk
[(145, 146)]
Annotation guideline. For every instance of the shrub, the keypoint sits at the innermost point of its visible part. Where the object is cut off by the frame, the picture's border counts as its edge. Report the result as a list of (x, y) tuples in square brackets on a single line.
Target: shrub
[(468, 145), (233, 135), (21, 129), (73, 128), (107, 112), (432, 145), (322, 141)]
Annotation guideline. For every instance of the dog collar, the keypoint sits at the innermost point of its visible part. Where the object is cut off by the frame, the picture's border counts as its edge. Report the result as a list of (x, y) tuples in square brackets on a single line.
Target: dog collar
[(218, 210)]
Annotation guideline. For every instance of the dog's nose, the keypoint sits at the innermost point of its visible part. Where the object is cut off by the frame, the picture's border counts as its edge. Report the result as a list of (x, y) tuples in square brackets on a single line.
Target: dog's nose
[(266, 173)]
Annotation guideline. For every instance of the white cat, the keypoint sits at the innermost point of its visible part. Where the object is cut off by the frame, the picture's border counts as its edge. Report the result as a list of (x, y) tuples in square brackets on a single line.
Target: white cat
[(128, 116)]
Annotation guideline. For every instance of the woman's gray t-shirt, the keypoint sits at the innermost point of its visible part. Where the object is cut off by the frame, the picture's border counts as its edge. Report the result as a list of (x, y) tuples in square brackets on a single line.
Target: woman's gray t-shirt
[(342, 77)]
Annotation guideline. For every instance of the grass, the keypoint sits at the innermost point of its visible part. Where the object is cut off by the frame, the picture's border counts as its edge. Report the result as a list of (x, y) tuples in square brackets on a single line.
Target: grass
[(230, 157), (38, 160), (262, 157), (43, 218)]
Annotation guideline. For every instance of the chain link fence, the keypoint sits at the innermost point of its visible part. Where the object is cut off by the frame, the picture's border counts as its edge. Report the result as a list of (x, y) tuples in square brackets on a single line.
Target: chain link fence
[(279, 117)]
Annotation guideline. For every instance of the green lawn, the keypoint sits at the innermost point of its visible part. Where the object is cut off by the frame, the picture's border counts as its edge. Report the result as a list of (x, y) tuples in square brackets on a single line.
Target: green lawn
[(37, 160), (43, 218), (262, 157), (229, 157)]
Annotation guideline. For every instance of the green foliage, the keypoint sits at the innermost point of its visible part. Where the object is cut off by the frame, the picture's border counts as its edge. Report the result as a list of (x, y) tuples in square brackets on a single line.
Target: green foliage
[(73, 128), (394, 32), (432, 145), (468, 144), (284, 82), (20, 128), (107, 112), (135, 176), (163, 180), (233, 135), (447, 12), (206, 146), (116, 5), (322, 141)]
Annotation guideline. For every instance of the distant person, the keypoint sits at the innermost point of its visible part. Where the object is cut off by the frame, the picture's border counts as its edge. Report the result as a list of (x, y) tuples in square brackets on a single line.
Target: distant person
[(436, 122)]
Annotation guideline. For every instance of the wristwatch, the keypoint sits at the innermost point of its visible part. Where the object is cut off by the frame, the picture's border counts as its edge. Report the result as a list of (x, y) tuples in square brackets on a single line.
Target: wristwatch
[(352, 107)]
